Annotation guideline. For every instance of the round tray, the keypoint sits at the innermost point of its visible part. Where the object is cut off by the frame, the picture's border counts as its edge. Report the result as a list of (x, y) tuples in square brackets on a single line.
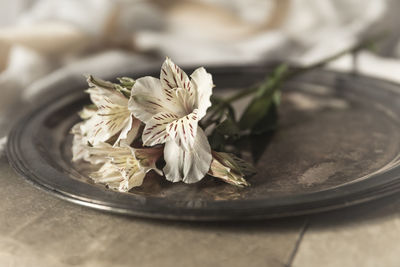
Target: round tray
[(337, 144)]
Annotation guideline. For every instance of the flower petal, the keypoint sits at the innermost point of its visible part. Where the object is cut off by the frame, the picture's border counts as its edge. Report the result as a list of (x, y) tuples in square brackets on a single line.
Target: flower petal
[(230, 168), (130, 169), (107, 122), (187, 166), (202, 83), (131, 180), (81, 149), (87, 112), (185, 100), (116, 179), (79, 144), (148, 99), (130, 131), (100, 90), (100, 153), (147, 157), (184, 130), (155, 130), (108, 173), (173, 77)]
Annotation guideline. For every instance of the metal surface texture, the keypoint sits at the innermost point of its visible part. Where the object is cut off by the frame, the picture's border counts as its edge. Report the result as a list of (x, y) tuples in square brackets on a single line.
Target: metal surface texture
[(337, 144)]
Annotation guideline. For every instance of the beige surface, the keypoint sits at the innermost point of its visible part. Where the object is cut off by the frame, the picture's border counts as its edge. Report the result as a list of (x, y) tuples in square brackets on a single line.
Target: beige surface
[(37, 229), (366, 236)]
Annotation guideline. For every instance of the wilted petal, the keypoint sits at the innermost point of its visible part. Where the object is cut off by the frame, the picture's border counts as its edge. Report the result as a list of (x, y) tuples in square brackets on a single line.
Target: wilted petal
[(125, 167), (130, 170), (230, 169), (107, 174), (147, 157), (134, 164), (187, 166), (99, 153), (130, 131), (131, 180), (203, 84), (82, 151), (108, 121), (102, 149), (234, 163), (87, 112), (109, 116), (99, 90), (79, 144), (112, 176)]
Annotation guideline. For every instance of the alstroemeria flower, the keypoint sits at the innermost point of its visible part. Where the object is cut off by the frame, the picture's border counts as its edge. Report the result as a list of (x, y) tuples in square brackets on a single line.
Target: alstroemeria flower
[(171, 108), (112, 116), (126, 167), (79, 144), (230, 168), (82, 150)]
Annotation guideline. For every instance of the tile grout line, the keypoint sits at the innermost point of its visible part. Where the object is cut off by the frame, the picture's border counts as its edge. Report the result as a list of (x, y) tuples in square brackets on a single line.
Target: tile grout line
[(27, 223), (297, 244)]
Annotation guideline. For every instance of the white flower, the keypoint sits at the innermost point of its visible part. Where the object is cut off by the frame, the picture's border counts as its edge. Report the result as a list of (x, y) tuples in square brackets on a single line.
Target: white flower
[(79, 144), (112, 116), (87, 112), (171, 108), (126, 167), (81, 149)]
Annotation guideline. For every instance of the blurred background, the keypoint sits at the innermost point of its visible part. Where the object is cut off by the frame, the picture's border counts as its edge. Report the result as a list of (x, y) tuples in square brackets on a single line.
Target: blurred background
[(42, 41)]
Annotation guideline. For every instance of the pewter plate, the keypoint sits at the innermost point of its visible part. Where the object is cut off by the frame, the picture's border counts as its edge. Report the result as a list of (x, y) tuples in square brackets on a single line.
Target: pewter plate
[(338, 144)]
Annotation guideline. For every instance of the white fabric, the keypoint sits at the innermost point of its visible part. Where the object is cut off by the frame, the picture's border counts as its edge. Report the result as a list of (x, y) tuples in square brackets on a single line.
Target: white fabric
[(45, 40)]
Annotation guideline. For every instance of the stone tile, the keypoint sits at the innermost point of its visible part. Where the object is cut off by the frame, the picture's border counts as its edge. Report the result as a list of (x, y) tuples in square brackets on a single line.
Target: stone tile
[(78, 236), (20, 203), (37, 229), (365, 236), (17, 254), (188, 244)]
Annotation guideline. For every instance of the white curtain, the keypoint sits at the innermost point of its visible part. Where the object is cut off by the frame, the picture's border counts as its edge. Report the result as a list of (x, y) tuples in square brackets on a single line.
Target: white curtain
[(43, 40)]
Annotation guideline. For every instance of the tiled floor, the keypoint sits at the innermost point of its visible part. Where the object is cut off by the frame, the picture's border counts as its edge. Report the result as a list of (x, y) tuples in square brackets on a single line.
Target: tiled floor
[(37, 229)]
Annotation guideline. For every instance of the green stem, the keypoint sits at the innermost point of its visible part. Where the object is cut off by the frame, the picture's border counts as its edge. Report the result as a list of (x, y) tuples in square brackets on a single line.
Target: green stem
[(300, 70), (286, 76)]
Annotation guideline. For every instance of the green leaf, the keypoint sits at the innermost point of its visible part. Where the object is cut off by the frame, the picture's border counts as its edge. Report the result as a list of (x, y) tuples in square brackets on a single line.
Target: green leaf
[(228, 127), (272, 81), (265, 97), (255, 112), (126, 92), (126, 82), (267, 123), (258, 143), (93, 81), (217, 141)]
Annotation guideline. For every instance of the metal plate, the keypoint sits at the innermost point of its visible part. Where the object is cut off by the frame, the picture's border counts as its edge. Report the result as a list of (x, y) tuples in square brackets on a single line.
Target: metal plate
[(338, 144)]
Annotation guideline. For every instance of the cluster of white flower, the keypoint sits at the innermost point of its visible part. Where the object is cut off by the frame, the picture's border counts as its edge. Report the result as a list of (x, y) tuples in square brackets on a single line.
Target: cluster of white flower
[(134, 124)]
